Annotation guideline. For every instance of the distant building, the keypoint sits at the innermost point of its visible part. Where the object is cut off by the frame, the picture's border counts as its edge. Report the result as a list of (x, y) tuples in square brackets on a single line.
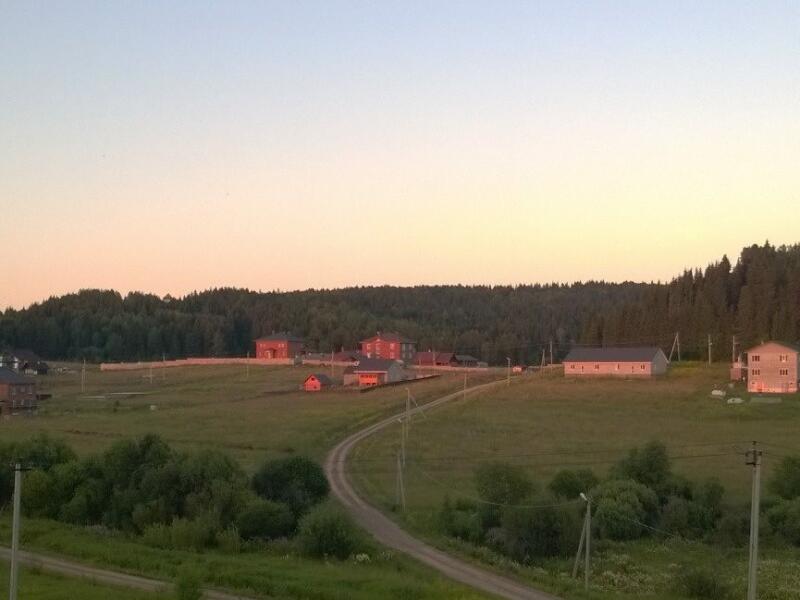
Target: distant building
[(466, 360), (348, 356), (436, 359), (378, 371), (391, 346), (24, 361), (316, 382), (17, 392), (279, 345), (616, 362), (772, 368)]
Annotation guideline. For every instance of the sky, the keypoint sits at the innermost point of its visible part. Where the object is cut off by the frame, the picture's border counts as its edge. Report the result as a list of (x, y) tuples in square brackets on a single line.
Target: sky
[(171, 147)]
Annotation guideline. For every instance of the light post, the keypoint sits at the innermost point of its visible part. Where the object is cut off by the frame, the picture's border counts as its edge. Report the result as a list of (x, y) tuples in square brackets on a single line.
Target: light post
[(508, 371)]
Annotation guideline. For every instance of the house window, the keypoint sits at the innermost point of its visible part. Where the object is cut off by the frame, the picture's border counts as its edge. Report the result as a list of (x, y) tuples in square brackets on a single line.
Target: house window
[(618, 367), (597, 367), (785, 372), (756, 371), (756, 358), (784, 358), (641, 367), (572, 366)]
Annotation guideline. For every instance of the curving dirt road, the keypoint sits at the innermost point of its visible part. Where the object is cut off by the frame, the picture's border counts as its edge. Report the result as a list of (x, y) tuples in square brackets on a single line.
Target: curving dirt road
[(390, 534)]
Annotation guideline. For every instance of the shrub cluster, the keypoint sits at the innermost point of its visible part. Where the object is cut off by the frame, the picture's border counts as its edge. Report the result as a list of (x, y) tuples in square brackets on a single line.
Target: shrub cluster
[(174, 499)]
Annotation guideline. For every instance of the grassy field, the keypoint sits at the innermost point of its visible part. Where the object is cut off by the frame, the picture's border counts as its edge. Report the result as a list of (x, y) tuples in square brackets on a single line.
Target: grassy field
[(546, 423), (263, 415), (43, 586), (251, 418)]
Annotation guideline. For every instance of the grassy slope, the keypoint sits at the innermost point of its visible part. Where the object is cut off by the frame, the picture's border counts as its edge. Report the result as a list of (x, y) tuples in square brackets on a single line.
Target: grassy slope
[(548, 423), (250, 418)]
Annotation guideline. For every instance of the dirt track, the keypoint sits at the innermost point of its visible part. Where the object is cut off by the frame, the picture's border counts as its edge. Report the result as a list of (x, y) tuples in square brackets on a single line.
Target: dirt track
[(390, 534)]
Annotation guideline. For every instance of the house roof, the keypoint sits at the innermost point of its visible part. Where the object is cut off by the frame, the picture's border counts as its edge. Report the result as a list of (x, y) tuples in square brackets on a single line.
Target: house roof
[(280, 337), (390, 336), (351, 355), (25, 355), (374, 365), (788, 346), (427, 357), (9, 376), (613, 354), (322, 378), (466, 358)]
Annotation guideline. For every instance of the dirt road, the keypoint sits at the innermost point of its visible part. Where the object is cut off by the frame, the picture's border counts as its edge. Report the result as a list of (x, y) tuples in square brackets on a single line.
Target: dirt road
[(390, 534), (72, 569)]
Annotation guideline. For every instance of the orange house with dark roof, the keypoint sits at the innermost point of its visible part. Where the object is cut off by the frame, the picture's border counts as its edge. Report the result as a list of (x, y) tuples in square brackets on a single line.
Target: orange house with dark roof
[(392, 346), (772, 368)]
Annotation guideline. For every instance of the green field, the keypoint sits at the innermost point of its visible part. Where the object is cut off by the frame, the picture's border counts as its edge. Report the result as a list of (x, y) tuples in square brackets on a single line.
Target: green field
[(43, 586), (251, 418), (545, 423)]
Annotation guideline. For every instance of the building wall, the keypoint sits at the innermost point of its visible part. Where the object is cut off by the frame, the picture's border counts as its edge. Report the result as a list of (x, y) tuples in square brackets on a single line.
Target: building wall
[(17, 395), (772, 369), (312, 384), (277, 349), (607, 369), (380, 348), (370, 379)]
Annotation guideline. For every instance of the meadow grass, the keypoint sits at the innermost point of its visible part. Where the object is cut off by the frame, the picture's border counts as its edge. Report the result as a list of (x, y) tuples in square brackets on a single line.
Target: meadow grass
[(545, 423)]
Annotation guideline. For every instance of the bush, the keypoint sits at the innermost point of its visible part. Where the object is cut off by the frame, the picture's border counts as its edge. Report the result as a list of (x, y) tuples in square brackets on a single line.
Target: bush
[(624, 510), (733, 527), (784, 519), (464, 524), (229, 541), (158, 535), (188, 585), (502, 483), (194, 535), (297, 481), (531, 533), (327, 532), (265, 520), (703, 585), (569, 483), (648, 465), (785, 480), (675, 516)]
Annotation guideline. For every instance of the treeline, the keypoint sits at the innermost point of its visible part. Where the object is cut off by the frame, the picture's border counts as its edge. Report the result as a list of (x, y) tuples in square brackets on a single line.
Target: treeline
[(757, 298)]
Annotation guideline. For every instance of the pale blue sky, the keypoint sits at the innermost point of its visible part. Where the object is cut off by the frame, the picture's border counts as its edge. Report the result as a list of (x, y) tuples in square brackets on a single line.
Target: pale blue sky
[(174, 146)]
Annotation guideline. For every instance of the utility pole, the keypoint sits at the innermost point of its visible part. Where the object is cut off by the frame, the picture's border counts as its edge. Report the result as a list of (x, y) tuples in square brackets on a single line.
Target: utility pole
[(13, 581), (709, 348), (247, 366), (401, 490), (551, 352), (163, 366), (465, 385), (331, 364), (508, 371), (733, 350), (588, 540), (542, 360), (675, 342), (151, 373), (678, 337), (580, 551), (83, 377), (754, 460)]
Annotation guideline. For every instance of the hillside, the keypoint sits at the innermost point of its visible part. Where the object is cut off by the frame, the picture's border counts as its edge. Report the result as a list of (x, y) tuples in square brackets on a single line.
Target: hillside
[(756, 298)]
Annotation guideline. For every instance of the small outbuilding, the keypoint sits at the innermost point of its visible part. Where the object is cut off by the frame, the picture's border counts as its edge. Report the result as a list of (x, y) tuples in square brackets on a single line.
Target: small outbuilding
[(614, 361), (378, 371), (317, 382)]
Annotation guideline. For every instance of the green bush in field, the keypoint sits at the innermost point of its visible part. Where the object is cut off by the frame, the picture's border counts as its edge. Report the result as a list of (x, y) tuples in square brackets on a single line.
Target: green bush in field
[(41, 452), (188, 585), (229, 541), (158, 535), (648, 465), (733, 527), (784, 519), (326, 532), (462, 522), (503, 483), (785, 480), (624, 509), (195, 534), (532, 533), (265, 520), (296, 481), (702, 585), (569, 483)]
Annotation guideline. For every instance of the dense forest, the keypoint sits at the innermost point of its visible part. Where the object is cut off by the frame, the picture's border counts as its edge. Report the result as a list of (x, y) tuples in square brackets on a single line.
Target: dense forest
[(757, 298)]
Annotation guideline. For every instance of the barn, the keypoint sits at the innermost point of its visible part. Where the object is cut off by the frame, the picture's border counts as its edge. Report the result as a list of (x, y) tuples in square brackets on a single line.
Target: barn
[(316, 382), (615, 362), (279, 345), (378, 371), (772, 368)]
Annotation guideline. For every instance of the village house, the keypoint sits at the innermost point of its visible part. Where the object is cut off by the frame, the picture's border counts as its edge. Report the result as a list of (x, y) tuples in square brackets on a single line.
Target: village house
[(24, 361), (279, 345), (317, 382), (772, 368), (17, 392), (391, 346), (615, 362), (377, 371), (432, 358)]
